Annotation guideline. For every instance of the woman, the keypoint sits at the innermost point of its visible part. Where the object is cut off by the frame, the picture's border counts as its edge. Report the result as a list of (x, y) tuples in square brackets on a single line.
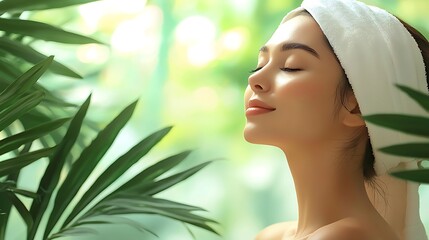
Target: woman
[(329, 63)]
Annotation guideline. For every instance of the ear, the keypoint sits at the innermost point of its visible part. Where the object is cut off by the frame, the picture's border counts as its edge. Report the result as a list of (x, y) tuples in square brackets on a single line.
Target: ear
[(352, 116)]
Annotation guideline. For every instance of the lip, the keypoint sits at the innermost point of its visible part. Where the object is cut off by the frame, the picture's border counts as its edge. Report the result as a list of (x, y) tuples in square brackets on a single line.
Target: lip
[(257, 107)]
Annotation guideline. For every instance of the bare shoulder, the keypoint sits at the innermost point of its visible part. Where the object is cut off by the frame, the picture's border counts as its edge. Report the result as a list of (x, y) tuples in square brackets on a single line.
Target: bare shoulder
[(341, 230), (277, 231), (350, 229)]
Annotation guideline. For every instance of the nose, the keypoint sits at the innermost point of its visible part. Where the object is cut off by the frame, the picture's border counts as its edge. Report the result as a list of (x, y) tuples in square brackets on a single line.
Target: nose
[(259, 82)]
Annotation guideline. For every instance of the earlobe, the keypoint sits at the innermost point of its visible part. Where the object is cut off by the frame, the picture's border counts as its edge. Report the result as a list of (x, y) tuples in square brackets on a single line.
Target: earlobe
[(353, 116)]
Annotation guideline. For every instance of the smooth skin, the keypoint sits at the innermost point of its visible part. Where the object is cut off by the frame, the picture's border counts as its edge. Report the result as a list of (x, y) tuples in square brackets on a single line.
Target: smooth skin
[(300, 83)]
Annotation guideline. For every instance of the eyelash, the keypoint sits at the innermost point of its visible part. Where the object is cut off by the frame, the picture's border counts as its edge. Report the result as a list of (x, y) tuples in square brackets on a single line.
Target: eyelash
[(290, 69), (255, 70), (283, 69)]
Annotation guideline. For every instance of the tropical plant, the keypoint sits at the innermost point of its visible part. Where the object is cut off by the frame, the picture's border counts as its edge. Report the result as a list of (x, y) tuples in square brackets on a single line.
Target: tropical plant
[(36, 125), (17, 54), (415, 125), (135, 196)]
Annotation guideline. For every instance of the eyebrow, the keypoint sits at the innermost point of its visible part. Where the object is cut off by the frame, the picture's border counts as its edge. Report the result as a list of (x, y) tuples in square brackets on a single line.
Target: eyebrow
[(291, 46)]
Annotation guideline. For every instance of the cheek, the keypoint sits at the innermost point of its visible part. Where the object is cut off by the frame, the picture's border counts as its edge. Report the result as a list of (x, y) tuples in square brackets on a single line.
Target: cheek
[(300, 89), (308, 105), (307, 95)]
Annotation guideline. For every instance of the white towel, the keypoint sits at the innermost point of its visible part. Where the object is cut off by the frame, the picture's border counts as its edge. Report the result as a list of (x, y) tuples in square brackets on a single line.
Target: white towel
[(376, 51)]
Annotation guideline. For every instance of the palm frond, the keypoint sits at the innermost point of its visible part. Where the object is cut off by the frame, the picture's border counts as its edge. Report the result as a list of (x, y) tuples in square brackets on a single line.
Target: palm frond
[(13, 142), (24, 5), (415, 125), (152, 188), (151, 173), (22, 210), (43, 120), (52, 173), (43, 31), (116, 170), (19, 108), (74, 232), (137, 203), (21, 85), (416, 175), (114, 220), (24, 193), (414, 150), (16, 163), (135, 196), (86, 163), (30, 55), (421, 98)]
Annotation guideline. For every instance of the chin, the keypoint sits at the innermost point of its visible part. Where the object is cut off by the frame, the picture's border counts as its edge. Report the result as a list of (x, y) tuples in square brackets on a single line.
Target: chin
[(263, 136), (249, 137), (252, 135)]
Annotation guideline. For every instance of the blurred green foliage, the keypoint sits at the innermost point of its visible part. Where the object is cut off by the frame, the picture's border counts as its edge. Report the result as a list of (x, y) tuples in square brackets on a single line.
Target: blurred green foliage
[(26, 131), (189, 63)]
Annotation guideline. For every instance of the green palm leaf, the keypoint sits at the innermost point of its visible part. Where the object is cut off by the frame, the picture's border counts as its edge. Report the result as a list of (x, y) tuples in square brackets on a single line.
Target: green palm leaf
[(113, 220), (74, 232), (87, 161), (15, 141), (415, 125), (16, 163), (133, 196), (22, 210), (18, 102), (52, 173), (421, 98), (25, 5), (149, 201), (115, 170), (23, 192), (30, 55), (414, 150), (136, 203), (418, 175), (5, 208), (152, 172), (24, 82), (19, 108), (9, 70), (151, 188), (146, 177), (43, 31)]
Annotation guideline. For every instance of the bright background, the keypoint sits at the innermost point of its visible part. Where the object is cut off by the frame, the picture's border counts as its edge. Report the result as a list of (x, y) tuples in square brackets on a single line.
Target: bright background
[(188, 63)]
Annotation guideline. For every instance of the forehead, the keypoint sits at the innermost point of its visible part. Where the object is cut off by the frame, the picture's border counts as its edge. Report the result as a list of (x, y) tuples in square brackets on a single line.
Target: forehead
[(301, 29)]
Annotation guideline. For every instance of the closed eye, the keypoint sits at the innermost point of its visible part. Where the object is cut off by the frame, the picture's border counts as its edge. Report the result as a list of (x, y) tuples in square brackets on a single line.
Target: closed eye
[(290, 69), (283, 69), (255, 70)]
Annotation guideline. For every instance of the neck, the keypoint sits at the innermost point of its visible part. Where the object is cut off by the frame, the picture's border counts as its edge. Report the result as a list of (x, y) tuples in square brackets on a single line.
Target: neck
[(326, 184)]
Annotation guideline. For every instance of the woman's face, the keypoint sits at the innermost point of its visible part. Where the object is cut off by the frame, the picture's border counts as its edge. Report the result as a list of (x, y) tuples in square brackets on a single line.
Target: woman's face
[(291, 97)]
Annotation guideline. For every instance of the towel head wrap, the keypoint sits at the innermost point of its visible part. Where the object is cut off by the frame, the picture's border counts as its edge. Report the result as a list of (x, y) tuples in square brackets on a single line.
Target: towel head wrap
[(376, 51)]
